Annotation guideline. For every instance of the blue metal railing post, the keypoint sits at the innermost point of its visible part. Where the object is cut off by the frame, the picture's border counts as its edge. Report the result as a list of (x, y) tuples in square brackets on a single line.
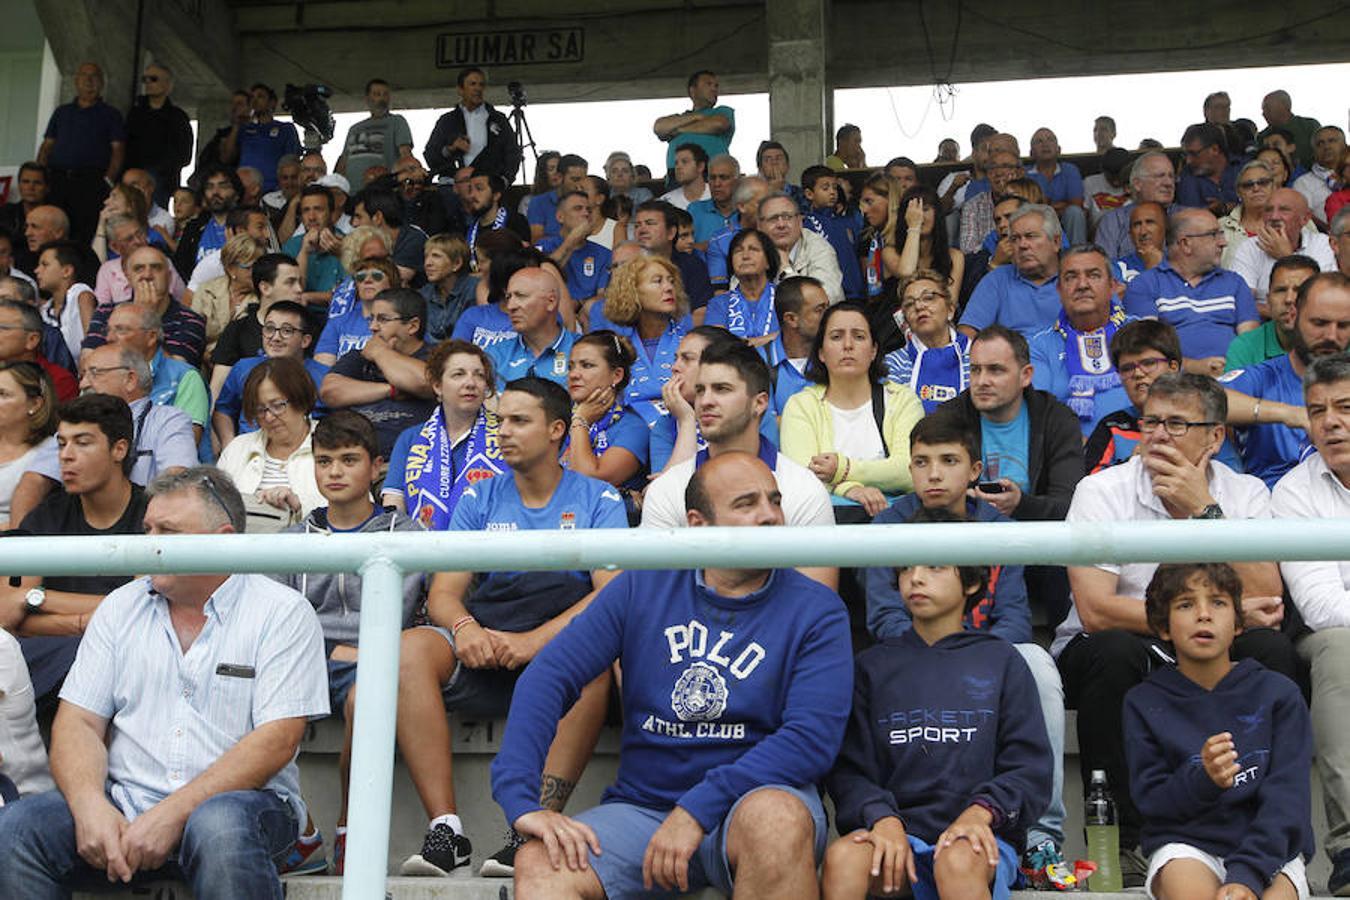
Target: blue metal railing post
[(372, 775)]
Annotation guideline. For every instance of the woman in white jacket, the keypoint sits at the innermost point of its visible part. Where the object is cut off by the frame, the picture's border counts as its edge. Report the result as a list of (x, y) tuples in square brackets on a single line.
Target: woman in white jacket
[(276, 462)]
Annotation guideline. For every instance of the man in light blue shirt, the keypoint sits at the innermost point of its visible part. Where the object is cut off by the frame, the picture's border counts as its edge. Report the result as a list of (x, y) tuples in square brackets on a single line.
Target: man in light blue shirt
[(540, 346), (1023, 296), (207, 682)]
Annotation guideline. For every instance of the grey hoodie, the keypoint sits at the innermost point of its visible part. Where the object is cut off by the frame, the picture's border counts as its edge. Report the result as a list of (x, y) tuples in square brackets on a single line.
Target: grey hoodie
[(336, 597)]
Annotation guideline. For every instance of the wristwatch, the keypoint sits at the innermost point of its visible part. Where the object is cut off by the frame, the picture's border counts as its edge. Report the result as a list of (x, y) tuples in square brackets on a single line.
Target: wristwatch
[(34, 599), (1213, 511)]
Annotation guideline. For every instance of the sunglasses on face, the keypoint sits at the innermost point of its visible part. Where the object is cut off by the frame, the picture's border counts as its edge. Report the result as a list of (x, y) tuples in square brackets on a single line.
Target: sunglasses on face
[(369, 275)]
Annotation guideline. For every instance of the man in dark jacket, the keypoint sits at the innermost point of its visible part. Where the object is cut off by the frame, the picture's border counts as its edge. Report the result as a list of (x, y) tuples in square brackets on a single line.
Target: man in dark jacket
[(473, 133), (159, 136), (1031, 446)]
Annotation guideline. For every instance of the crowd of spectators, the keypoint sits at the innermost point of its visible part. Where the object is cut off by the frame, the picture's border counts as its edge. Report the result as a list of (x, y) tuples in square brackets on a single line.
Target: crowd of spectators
[(399, 346)]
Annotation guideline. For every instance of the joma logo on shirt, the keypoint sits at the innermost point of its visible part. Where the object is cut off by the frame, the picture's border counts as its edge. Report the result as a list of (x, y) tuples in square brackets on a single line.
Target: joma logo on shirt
[(692, 639)]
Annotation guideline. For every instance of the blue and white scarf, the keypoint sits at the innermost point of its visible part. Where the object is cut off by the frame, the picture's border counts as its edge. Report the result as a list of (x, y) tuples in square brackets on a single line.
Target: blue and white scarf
[(1087, 358), (751, 320), (498, 221), (649, 375), (430, 477)]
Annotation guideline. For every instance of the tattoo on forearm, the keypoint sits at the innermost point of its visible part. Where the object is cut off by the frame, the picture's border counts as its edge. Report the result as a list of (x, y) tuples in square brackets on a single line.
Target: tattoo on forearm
[(554, 791)]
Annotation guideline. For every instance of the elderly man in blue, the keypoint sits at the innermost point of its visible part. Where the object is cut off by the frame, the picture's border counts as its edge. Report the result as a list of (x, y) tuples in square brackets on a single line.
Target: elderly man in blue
[(174, 746), (1021, 296), (1206, 304), (541, 344), (1266, 400), (1071, 359), (736, 691)]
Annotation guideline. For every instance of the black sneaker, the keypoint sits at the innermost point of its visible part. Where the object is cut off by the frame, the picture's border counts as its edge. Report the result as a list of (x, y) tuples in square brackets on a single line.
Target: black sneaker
[(502, 864), (1338, 885), (443, 851)]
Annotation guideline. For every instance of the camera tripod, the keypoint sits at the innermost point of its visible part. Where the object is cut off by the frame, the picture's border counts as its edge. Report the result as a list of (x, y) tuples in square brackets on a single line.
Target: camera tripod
[(524, 138)]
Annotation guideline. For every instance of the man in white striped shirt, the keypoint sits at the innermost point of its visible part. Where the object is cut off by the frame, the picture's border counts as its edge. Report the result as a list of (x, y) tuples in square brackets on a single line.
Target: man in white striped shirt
[(174, 747), (1319, 487)]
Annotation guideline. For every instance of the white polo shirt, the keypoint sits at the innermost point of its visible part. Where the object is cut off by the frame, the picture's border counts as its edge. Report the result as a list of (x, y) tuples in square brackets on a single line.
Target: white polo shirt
[(1124, 494), (805, 500), (1321, 590)]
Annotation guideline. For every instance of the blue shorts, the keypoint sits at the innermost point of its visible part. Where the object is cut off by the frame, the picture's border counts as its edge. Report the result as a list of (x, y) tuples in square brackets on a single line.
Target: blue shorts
[(625, 829), (341, 677), (926, 887), (476, 692)]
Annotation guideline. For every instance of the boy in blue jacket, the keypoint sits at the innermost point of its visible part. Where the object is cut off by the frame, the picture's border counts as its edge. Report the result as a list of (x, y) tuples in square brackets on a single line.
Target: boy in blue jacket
[(945, 762), (1219, 752)]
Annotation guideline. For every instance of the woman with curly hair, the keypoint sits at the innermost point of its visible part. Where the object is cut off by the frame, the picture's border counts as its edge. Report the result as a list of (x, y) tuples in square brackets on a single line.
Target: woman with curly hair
[(646, 304)]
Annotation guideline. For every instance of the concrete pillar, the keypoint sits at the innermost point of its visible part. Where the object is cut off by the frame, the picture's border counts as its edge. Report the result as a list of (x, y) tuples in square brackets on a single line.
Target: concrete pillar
[(797, 87)]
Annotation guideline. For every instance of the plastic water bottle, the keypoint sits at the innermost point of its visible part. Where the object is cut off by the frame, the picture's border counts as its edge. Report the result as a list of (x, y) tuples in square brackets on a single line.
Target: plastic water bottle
[(1103, 835)]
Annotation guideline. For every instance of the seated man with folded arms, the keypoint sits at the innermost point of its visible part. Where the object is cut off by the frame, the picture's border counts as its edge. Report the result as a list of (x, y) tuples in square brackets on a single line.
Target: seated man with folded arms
[(1105, 646), (736, 692), (485, 629), (1319, 488), (174, 747)]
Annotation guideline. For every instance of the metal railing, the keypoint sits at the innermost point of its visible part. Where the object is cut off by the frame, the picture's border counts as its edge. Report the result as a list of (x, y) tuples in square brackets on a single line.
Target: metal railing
[(383, 558)]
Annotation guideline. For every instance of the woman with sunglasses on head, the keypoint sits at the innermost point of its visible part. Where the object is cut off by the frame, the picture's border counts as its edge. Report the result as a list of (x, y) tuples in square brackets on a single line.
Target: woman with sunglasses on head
[(344, 317), (275, 464), (27, 420), (432, 463), (606, 438), (351, 330)]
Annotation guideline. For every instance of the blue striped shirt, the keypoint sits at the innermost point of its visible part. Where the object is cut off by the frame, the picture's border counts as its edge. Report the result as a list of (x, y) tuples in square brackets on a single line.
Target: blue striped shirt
[(173, 714)]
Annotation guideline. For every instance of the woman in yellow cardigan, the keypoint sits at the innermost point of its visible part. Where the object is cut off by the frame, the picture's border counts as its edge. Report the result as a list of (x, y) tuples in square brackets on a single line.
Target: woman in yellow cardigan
[(851, 428)]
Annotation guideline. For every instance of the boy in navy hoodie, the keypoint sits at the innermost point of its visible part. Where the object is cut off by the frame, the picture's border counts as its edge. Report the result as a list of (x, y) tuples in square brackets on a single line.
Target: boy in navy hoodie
[(1219, 752), (944, 461), (945, 762)]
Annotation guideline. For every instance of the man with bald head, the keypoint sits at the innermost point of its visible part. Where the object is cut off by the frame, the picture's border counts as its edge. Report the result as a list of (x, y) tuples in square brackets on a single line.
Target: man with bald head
[(1152, 180), (1278, 110), (1206, 304), (83, 149), (541, 346), (44, 225), (159, 137), (148, 272), (1281, 234), (716, 788)]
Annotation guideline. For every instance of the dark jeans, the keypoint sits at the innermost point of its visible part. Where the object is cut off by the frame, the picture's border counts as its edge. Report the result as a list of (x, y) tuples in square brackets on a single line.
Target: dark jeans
[(230, 849), (80, 192), (1099, 669)]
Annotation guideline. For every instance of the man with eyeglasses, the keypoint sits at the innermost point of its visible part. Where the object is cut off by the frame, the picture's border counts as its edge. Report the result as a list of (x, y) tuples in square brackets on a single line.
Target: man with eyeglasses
[(21, 335), (159, 136), (386, 380), (977, 213), (276, 277), (1265, 401), (1105, 646), (1023, 296), (1141, 351), (96, 445), (1152, 180), (1207, 181), (1282, 233), (173, 382), (802, 252), (162, 436), (286, 332), (1208, 305), (174, 745)]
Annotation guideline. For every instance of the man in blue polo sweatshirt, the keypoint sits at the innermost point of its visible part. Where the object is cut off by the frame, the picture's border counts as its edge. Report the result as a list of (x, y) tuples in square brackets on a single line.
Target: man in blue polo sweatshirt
[(1266, 400), (736, 690)]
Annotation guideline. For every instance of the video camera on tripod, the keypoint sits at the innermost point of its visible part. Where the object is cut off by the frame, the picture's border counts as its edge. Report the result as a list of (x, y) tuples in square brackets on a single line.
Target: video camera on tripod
[(308, 106)]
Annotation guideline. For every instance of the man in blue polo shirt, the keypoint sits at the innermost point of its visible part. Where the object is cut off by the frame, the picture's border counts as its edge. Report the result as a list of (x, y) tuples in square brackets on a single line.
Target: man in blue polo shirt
[(585, 263), (542, 213), (1023, 296), (485, 629), (1268, 398), (541, 346), (1061, 181), (1071, 359), (263, 141), (83, 148), (719, 210), (1206, 304)]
